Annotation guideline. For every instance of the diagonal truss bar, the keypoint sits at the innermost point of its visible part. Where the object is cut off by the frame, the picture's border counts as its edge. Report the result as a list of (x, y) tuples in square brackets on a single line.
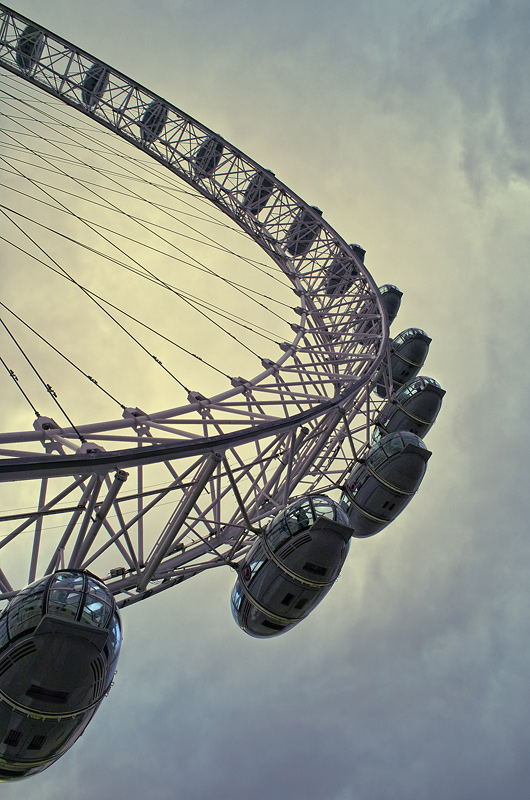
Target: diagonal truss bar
[(208, 468)]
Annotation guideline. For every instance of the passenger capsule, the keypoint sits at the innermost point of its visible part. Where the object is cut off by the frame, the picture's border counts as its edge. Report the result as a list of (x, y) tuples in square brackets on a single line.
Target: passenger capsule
[(153, 122), (414, 408), (391, 297), (207, 157), (94, 85), (302, 232), (342, 272), (380, 488), (291, 567), (258, 192), (29, 47), (59, 643), (408, 352), (359, 251)]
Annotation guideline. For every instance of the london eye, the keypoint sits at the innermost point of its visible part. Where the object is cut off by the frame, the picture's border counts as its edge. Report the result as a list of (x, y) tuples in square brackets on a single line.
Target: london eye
[(257, 421)]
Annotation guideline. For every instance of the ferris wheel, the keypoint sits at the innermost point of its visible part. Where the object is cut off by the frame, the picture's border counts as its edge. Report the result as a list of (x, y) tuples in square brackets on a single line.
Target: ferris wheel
[(231, 458), (170, 489)]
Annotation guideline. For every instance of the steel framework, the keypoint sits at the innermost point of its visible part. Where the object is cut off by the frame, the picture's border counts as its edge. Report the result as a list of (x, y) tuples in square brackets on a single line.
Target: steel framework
[(225, 462)]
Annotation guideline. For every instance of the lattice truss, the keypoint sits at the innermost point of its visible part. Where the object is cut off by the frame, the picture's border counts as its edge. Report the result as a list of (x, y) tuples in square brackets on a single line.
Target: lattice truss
[(149, 499)]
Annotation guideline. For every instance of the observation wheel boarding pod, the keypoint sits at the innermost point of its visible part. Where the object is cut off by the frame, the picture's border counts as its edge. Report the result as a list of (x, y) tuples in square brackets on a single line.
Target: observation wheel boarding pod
[(63, 633), (291, 567), (226, 461)]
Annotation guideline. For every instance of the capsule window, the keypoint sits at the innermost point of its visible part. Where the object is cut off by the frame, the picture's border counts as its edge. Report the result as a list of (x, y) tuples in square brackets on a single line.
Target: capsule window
[(393, 446), (340, 516), (65, 595), (323, 508), (345, 503), (401, 338), (278, 534), (408, 437), (300, 517), (25, 611), (236, 597), (95, 612), (301, 603), (64, 603), (288, 599), (407, 390), (114, 641), (255, 565), (376, 457)]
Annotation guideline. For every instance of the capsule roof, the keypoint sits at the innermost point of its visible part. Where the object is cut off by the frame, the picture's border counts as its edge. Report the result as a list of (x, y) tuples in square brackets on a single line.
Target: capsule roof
[(394, 443), (416, 386), (359, 251), (410, 333), (391, 297), (72, 595), (304, 512), (390, 287)]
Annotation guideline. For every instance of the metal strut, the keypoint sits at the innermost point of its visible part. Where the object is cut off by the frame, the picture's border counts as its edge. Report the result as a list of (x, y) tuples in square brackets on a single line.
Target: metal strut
[(191, 498)]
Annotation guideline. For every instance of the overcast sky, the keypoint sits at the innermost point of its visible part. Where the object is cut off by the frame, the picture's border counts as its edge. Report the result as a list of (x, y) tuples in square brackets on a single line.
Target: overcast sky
[(407, 123)]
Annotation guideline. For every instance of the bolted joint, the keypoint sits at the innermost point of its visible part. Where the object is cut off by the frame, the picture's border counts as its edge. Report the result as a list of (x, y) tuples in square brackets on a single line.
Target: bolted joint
[(269, 364), (197, 397), (141, 424), (89, 447), (46, 424), (133, 412), (241, 382)]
